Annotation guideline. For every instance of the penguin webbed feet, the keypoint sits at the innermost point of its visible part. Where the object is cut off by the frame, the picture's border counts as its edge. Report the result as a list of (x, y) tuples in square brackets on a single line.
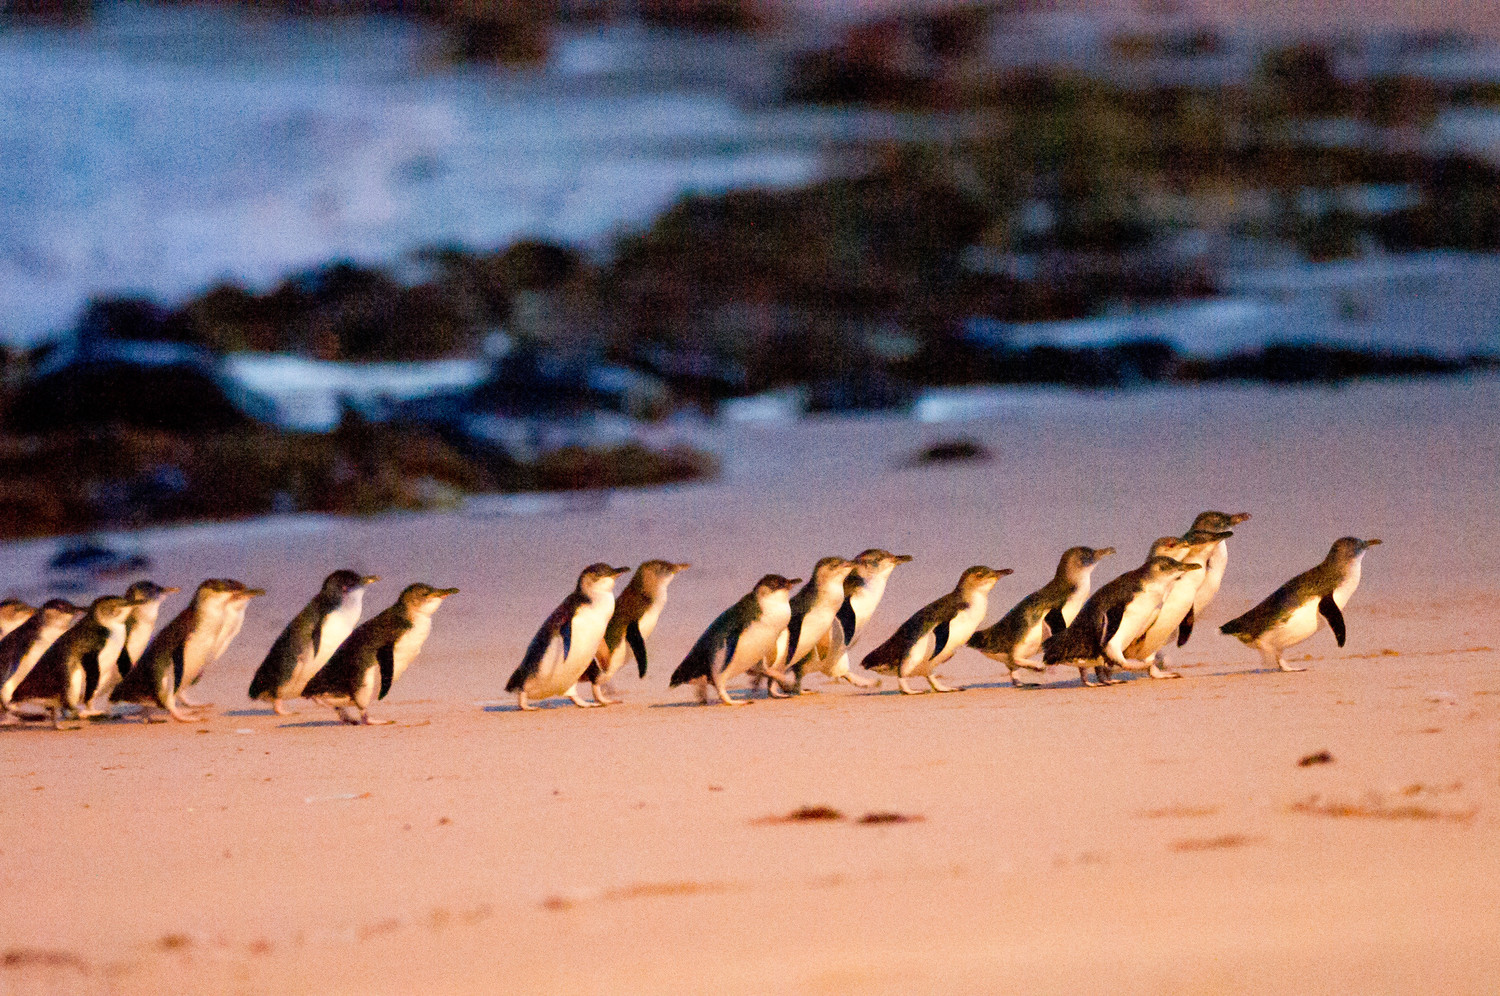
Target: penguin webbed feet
[(938, 686)]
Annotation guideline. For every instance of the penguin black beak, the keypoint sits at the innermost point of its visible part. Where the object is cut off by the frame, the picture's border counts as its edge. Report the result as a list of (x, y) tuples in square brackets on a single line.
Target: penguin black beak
[(445, 592), (1101, 554), (903, 558), (252, 592), (1002, 572), (678, 568), (1238, 517), (1371, 542)]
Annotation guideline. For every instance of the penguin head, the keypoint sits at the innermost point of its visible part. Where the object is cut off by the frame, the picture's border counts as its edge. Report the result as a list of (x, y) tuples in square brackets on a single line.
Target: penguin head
[(876, 563), (60, 612), (1200, 541), (831, 571), (1219, 521), (1171, 547), (15, 607), (147, 591), (340, 583), (774, 587), (655, 575), (599, 579), (244, 594), (216, 592), (1078, 561), (1348, 549), (1169, 567), (980, 578), (423, 599), (111, 610)]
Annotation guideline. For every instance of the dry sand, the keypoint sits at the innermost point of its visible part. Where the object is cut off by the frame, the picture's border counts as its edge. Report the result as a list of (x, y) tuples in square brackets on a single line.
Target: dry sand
[(1153, 837)]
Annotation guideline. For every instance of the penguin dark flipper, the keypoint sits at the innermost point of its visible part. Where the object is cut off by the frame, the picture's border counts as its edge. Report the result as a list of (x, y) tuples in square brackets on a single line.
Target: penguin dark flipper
[(847, 621), (940, 637), (1185, 628), (1330, 611), (1112, 620), (637, 646), (386, 658), (90, 663), (179, 665), (1055, 621)]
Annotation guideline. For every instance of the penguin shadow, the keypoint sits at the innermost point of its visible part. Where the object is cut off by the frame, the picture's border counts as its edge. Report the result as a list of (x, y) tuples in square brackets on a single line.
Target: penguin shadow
[(308, 723), (746, 695), (268, 711), (546, 705)]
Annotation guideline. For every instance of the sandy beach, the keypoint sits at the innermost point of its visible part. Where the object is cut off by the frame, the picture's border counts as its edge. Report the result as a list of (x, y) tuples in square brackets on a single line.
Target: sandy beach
[(1152, 837)]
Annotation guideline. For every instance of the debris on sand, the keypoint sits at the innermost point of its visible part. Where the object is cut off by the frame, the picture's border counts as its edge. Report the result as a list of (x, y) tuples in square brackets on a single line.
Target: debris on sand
[(1179, 812), (950, 451), (805, 814), (1220, 843), (638, 890), (19, 958), (1375, 807), (885, 817), (1321, 757)]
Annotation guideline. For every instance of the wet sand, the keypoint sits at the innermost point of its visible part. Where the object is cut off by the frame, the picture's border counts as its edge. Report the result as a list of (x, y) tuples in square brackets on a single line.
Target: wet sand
[(1157, 836)]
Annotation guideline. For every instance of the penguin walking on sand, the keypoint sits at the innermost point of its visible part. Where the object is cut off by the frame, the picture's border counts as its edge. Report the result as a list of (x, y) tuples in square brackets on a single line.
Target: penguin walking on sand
[(933, 635), (23, 646), (230, 622), (568, 641), (310, 639), (863, 590), (1298, 608), (183, 647), (147, 596), (1116, 614), (1213, 570), (637, 609), (371, 658), (1177, 602), (68, 673), (13, 612), (814, 608), (742, 639), (1020, 633)]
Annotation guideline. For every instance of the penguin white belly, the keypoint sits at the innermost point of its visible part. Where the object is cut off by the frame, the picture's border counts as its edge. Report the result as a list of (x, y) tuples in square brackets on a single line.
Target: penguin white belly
[(559, 672), (234, 620), (1075, 602), (960, 628), (109, 660), (138, 637), (646, 624), (77, 681), (337, 626), (1213, 576), (195, 653), (369, 688), (919, 657), (814, 626), (1302, 623), (408, 645), (28, 661), (1174, 609), (864, 602), (1136, 619), (1032, 641), (756, 643), (1345, 590)]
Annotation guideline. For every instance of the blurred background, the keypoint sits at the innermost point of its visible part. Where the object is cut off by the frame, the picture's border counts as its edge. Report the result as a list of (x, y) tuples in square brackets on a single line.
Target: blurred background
[(358, 255)]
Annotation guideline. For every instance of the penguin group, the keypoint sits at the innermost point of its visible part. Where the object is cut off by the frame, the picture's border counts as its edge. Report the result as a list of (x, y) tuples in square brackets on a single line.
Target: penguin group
[(78, 662)]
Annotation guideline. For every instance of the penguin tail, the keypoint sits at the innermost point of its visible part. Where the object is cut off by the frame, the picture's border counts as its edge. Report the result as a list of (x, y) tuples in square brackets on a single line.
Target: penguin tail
[(686, 672)]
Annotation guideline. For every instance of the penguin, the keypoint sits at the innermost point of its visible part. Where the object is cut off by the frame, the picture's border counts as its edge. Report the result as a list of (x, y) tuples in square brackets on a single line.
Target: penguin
[(1020, 632), (743, 638), (67, 675), (935, 632), (230, 622), (1213, 571), (637, 609), (13, 612), (568, 641), (183, 647), (1177, 602), (23, 646), (1116, 614), (863, 589), (1294, 611), (370, 659), (310, 639), (814, 607), (148, 596)]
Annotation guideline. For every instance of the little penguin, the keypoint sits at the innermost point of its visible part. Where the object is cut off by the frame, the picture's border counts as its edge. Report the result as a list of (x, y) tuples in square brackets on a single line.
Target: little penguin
[(13, 612), (568, 641), (637, 609), (371, 658), (1177, 603), (1116, 614), (863, 589), (148, 596), (310, 639), (68, 673), (742, 639), (1020, 632), (1213, 571), (1294, 611), (181, 648), (23, 646), (230, 622), (814, 607), (933, 635)]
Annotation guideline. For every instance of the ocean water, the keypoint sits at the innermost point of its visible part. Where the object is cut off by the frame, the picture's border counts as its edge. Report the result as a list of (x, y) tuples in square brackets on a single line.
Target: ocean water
[(161, 150)]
